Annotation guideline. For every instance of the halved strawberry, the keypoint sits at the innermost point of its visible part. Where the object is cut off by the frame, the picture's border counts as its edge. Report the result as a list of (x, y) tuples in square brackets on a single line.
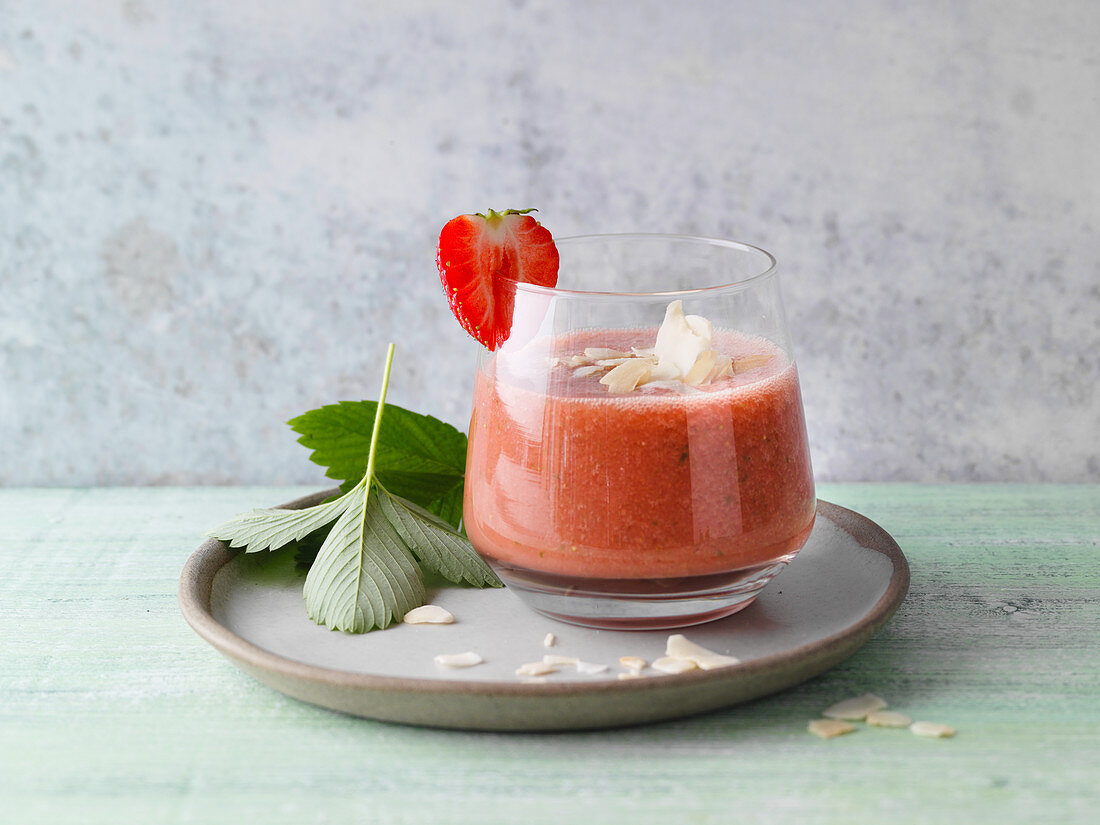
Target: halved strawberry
[(477, 257)]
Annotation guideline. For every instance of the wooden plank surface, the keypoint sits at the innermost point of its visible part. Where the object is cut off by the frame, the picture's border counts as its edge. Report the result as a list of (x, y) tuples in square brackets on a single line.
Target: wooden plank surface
[(113, 710)]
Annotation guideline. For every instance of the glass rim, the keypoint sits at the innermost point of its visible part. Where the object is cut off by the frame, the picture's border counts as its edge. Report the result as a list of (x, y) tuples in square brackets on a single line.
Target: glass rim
[(744, 283)]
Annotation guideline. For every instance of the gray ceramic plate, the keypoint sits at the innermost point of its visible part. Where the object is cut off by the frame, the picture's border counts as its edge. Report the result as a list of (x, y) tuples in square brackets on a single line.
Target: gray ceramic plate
[(844, 585)]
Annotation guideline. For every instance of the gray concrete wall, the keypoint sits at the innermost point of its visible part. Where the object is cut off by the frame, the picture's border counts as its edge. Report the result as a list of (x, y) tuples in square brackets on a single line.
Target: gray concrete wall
[(213, 216)]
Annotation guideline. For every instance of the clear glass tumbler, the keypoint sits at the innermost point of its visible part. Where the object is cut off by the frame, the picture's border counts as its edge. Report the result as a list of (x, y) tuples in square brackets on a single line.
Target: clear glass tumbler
[(662, 506)]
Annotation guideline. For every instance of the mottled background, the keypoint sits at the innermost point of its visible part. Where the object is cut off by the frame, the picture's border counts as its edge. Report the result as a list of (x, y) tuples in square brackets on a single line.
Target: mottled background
[(214, 215)]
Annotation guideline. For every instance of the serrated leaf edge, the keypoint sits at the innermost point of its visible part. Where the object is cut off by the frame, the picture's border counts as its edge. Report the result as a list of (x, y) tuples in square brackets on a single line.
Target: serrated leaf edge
[(357, 584), (356, 411), (435, 544), (270, 529)]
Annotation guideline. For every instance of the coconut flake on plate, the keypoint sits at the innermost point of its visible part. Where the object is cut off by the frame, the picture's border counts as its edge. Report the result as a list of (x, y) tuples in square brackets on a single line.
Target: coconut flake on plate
[(429, 614), (668, 664), (467, 659), (680, 647), (567, 661), (536, 669)]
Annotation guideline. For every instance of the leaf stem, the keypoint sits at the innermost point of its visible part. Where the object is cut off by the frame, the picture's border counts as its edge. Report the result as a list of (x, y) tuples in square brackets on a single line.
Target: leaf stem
[(378, 418)]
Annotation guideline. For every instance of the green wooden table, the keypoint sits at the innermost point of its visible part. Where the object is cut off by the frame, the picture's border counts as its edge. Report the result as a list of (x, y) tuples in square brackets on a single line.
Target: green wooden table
[(113, 710)]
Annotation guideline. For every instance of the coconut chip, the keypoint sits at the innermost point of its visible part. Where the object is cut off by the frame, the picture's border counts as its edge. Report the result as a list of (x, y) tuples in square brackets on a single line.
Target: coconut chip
[(681, 339), (700, 371), (625, 377), (467, 659), (933, 730), (750, 362), (679, 647), (583, 372), (604, 353), (723, 368), (667, 664), (681, 353), (568, 661), (888, 719), (614, 362), (633, 662), (428, 614), (549, 640), (828, 728), (536, 669), (856, 708)]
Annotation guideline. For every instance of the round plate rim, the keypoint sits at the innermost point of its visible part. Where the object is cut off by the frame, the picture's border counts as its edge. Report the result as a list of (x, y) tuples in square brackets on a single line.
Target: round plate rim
[(197, 579)]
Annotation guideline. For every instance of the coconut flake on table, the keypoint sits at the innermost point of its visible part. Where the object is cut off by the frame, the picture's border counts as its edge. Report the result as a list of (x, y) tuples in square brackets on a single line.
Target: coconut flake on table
[(828, 728), (888, 719), (932, 730), (856, 708)]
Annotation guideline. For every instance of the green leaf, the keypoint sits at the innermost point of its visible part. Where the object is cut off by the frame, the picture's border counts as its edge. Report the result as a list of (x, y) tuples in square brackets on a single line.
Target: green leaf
[(417, 456), (364, 576), (365, 548), (435, 544), (270, 529), (449, 508), (305, 549)]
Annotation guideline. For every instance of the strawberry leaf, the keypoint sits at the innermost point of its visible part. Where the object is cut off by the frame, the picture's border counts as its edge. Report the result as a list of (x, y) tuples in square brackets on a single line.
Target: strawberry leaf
[(270, 529), (417, 456), (435, 544), (305, 549), (365, 548), (364, 575)]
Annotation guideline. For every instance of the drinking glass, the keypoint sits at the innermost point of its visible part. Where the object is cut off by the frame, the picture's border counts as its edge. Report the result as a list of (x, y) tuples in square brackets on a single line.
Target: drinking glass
[(665, 506)]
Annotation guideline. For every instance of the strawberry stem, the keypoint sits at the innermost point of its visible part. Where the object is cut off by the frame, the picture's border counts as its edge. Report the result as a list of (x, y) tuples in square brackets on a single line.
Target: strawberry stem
[(493, 217)]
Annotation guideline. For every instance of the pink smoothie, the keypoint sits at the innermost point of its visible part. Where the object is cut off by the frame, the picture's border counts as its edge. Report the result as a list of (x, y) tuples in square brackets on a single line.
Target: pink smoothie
[(666, 481)]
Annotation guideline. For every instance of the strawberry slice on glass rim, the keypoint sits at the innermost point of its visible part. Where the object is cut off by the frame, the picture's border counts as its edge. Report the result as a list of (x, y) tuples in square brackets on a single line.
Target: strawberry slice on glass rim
[(481, 256)]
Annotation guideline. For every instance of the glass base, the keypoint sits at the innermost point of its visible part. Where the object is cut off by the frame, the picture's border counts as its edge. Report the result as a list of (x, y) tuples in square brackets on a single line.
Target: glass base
[(639, 604)]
